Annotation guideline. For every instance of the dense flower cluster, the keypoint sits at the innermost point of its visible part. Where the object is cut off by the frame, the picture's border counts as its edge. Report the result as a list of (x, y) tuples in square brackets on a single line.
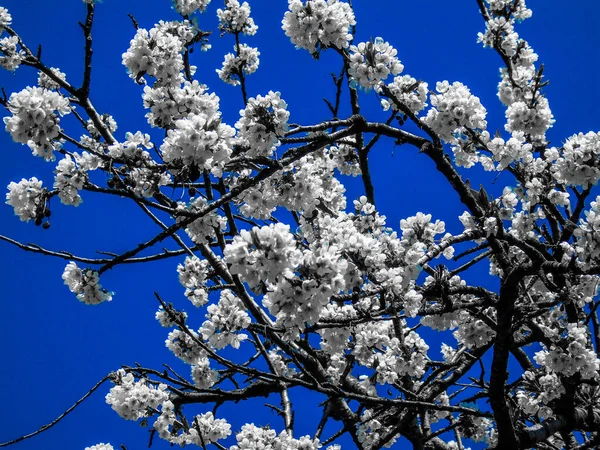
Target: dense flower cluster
[(199, 139), (319, 24), (225, 321), (27, 197), (204, 429), (262, 123), (408, 92), (84, 283), (158, 52), (5, 18), (244, 62), (35, 120), (252, 437), (12, 56), (204, 227), (169, 104), (516, 149), (100, 447), (576, 357), (587, 233), (188, 7), (302, 186), (132, 399), (454, 108), (263, 254), (192, 276), (576, 163), (372, 62), (45, 81), (235, 18)]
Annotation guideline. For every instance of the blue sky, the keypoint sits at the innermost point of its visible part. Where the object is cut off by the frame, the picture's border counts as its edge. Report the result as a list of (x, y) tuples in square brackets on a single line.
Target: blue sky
[(54, 348)]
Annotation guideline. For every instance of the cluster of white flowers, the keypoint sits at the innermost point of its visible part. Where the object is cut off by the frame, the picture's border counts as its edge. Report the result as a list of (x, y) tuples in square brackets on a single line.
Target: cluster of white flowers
[(185, 346), (169, 104), (453, 108), (407, 91), (372, 62), (319, 24), (577, 356), (188, 7), (473, 332), (234, 65), (302, 186), (84, 283), (225, 321), (69, 181), (131, 148), (576, 163), (518, 8), (263, 254), (548, 386), (133, 399), (528, 111), (158, 52), (345, 159), (46, 82), (204, 377), (199, 139), (235, 18), (418, 236), (370, 430), (262, 123), (203, 430), (398, 359), (5, 18), (100, 447), (588, 238), (27, 197), (531, 120), (252, 437), (12, 56), (34, 119), (516, 149), (170, 318), (192, 276), (203, 228)]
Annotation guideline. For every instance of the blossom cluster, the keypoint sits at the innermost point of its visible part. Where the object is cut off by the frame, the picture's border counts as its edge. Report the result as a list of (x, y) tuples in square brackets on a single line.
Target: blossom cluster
[(27, 197), (12, 56), (244, 62), (199, 139), (262, 123), (188, 7), (225, 321), (576, 163), (132, 399), (252, 437), (454, 109), (169, 104), (158, 52), (193, 274), (35, 120), (576, 357), (407, 91), (235, 18), (204, 429), (84, 283), (372, 62), (203, 228), (319, 24)]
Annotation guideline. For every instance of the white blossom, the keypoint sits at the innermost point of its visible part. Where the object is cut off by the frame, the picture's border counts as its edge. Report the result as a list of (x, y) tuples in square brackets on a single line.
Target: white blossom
[(84, 283), (319, 24)]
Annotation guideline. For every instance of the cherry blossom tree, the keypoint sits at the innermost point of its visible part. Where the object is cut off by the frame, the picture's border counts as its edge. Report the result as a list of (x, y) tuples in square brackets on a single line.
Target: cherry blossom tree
[(296, 288)]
